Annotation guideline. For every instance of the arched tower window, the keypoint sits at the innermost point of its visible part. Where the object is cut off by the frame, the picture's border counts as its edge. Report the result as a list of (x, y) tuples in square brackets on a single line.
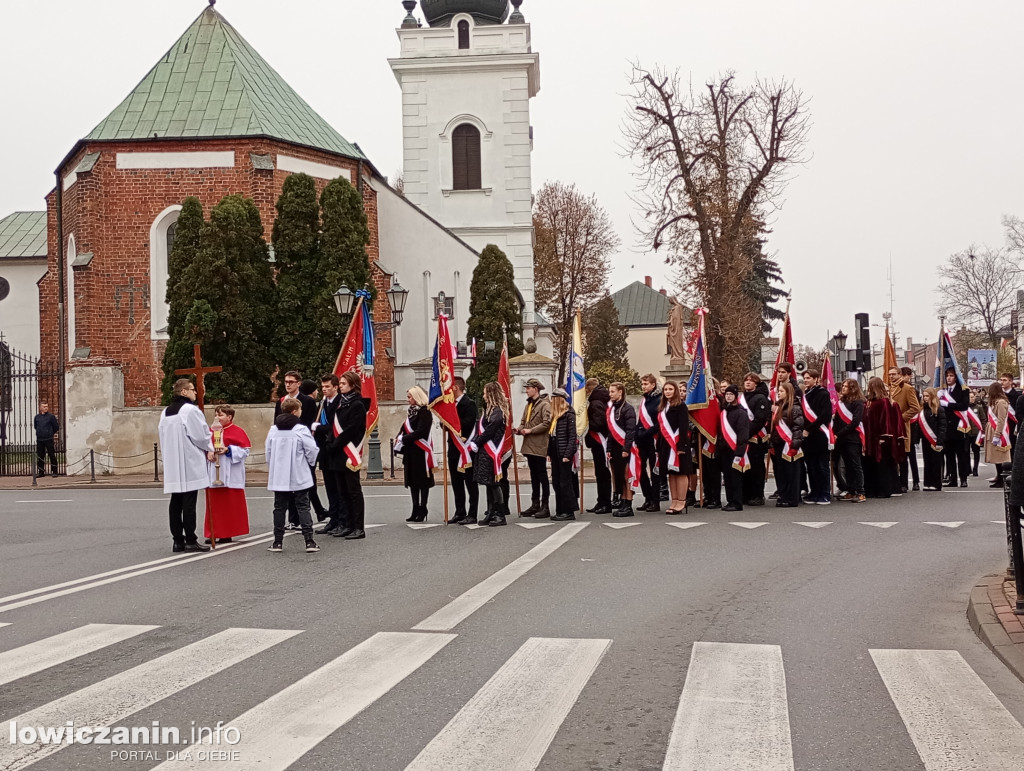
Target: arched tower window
[(463, 35), (466, 158), (71, 255), (161, 239), (170, 236)]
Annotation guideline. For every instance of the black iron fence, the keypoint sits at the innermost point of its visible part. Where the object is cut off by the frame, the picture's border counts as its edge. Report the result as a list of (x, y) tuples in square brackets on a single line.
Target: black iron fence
[(25, 383)]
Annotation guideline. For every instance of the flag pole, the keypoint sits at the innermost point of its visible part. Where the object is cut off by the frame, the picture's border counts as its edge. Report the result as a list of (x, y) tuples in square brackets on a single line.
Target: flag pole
[(579, 449), (444, 468), (515, 468)]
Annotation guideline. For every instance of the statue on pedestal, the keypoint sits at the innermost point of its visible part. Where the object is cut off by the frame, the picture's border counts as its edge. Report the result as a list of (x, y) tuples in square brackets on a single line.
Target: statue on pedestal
[(676, 333)]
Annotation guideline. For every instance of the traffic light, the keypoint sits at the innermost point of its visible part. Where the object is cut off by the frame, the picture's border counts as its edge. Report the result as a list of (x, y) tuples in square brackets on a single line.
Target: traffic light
[(863, 342)]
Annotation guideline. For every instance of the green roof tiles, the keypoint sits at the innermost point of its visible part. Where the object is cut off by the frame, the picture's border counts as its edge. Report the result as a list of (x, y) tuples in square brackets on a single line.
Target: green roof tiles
[(212, 83), (23, 235), (641, 306)]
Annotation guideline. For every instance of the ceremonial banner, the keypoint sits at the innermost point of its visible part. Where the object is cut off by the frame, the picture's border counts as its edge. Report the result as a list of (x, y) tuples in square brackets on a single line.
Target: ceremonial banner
[(576, 380), (505, 381), (945, 357), (889, 359), (357, 355), (700, 397), (785, 352), (442, 379), (981, 367)]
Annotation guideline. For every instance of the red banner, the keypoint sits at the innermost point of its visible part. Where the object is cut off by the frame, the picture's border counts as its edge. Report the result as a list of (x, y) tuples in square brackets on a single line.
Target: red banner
[(357, 355), (442, 378), (505, 381)]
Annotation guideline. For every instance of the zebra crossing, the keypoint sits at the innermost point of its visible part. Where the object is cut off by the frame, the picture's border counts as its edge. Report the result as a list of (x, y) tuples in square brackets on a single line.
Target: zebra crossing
[(733, 709)]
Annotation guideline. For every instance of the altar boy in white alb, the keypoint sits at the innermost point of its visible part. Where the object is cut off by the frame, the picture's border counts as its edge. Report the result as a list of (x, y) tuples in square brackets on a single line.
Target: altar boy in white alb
[(184, 443), (291, 451)]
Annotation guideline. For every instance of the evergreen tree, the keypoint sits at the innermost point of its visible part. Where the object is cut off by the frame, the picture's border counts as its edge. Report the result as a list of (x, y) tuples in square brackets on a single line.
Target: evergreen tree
[(300, 285), (344, 239), (178, 353), (606, 346), (232, 293), (494, 308)]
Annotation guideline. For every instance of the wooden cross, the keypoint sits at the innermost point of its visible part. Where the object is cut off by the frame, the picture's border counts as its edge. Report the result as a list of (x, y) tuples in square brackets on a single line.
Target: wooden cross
[(130, 290), (200, 373)]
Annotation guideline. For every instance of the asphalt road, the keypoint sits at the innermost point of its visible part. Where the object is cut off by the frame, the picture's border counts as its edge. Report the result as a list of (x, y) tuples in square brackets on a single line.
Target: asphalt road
[(574, 656)]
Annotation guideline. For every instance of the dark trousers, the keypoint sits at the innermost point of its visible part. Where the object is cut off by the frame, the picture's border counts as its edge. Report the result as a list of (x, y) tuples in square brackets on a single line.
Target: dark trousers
[(352, 497), (505, 486), (788, 476), (45, 446), (850, 467), (711, 480), (932, 467), (958, 459), (619, 465), (753, 479), (817, 474), (602, 477), (283, 503), (908, 468), (337, 511), (561, 480), (878, 477), (733, 483), (463, 486), (650, 483), (182, 511), (497, 503), (976, 456), (538, 465)]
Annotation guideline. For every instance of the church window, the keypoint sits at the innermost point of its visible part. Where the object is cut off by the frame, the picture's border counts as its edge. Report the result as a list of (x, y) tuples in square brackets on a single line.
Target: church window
[(463, 35), (72, 253), (161, 239), (466, 158), (447, 306), (171, 229)]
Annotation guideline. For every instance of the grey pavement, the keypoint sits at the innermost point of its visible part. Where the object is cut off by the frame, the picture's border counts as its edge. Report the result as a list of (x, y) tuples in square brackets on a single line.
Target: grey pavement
[(826, 596)]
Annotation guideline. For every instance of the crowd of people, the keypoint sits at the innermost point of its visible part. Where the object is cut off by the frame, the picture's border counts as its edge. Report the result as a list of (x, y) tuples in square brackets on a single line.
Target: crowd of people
[(863, 444)]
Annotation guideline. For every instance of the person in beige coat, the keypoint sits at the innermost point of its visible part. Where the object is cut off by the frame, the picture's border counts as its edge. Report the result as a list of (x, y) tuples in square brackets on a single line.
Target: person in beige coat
[(997, 442), (905, 397), (534, 428)]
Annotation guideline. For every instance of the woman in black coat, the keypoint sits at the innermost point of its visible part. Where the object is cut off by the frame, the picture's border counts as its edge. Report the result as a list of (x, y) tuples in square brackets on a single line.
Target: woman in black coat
[(562, 443), (674, 453), (488, 446), (787, 436), (417, 452), (347, 446), (847, 427), (933, 434)]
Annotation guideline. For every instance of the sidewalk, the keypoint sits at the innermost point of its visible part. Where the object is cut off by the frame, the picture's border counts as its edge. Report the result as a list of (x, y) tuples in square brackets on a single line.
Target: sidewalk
[(991, 616), (254, 479)]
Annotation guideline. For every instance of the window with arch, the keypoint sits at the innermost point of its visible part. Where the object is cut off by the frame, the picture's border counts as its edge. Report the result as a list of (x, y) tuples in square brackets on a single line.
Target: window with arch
[(72, 253), (161, 240), (466, 158), (463, 35)]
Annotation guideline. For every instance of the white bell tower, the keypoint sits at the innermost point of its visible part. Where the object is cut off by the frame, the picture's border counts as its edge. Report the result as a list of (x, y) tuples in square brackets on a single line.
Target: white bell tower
[(467, 79)]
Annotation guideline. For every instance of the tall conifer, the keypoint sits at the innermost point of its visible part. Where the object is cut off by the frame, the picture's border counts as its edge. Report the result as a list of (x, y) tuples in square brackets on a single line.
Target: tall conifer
[(494, 307), (178, 353)]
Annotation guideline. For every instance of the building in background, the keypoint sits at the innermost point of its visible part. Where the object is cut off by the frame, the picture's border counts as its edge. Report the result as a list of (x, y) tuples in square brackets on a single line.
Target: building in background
[(22, 265), (643, 310)]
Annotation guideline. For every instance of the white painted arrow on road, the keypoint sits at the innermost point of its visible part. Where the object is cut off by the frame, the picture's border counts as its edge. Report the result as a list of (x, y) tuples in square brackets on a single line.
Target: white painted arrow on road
[(945, 524), (880, 524), (533, 525), (685, 525), (816, 525), (425, 525), (749, 525), (620, 525)]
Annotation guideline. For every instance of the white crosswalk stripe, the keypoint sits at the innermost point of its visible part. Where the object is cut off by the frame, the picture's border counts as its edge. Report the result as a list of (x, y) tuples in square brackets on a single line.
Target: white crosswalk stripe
[(37, 656), (533, 693), (111, 700), (733, 713), (953, 718), (282, 729)]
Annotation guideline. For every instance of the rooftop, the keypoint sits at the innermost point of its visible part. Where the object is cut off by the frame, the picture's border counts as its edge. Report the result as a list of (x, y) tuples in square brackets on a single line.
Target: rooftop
[(23, 236), (212, 83), (639, 305)]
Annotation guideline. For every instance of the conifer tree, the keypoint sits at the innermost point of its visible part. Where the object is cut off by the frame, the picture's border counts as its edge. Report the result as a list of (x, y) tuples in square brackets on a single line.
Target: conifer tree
[(178, 353), (494, 308), (232, 293), (606, 346), (344, 238)]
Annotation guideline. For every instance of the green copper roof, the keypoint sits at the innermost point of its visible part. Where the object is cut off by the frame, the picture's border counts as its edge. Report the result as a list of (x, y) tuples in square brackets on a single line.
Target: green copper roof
[(212, 83), (23, 235), (641, 306)]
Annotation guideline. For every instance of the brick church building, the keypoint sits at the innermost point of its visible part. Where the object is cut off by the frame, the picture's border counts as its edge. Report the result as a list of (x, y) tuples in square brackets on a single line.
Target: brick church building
[(212, 118)]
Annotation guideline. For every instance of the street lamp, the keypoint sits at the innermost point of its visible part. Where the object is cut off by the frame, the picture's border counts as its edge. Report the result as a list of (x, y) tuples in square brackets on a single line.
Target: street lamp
[(840, 338), (344, 303)]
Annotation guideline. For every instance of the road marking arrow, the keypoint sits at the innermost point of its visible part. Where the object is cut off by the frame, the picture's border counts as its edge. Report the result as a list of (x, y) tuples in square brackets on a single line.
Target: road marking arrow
[(749, 525), (685, 525), (620, 525), (880, 524), (945, 524), (815, 525)]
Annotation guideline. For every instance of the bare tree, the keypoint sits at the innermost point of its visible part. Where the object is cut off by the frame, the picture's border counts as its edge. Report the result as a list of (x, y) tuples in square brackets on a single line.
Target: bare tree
[(574, 240), (1014, 234), (711, 163), (979, 289)]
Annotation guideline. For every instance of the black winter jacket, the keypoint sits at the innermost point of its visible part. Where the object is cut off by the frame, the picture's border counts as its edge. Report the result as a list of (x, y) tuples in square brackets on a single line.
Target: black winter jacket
[(821, 403), (467, 411), (796, 425), (848, 433), (961, 403), (597, 403), (625, 416), (351, 415), (737, 417), (646, 438), (937, 423), (562, 443), (759, 404)]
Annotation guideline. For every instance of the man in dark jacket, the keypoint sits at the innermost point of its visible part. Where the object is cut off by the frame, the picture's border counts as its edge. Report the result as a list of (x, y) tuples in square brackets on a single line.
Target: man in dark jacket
[(817, 407), (596, 440), (621, 420), (463, 482), (731, 447), (647, 441), (759, 411), (47, 428), (324, 430), (955, 400)]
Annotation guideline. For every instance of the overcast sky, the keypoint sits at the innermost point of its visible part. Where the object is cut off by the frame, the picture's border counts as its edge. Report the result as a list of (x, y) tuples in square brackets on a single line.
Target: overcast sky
[(916, 108)]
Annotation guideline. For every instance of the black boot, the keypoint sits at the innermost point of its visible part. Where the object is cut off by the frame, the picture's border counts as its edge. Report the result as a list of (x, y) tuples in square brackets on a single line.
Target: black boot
[(486, 520), (616, 501), (498, 520), (534, 508), (625, 510), (543, 512)]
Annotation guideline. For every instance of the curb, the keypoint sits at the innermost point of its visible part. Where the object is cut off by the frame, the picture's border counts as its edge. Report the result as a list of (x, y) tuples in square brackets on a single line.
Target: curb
[(986, 604)]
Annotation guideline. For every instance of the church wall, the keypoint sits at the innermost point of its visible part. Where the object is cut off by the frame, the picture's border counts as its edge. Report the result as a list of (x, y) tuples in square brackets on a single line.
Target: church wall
[(111, 210)]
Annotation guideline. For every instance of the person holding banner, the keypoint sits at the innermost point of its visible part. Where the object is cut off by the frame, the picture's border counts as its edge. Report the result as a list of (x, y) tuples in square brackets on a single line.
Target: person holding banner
[(489, 442), (347, 448), (931, 421), (597, 441), (754, 400), (997, 432), (848, 427), (787, 437), (817, 408), (956, 402), (674, 454), (460, 459), (647, 443), (417, 452), (731, 447), (623, 455), (562, 442)]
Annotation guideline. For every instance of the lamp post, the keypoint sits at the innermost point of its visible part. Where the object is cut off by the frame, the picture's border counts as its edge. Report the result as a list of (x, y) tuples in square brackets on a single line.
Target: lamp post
[(344, 303), (838, 347)]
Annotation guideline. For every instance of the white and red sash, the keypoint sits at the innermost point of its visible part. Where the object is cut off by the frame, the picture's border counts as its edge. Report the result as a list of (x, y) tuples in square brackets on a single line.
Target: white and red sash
[(613, 425), (671, 439), (633, 469), (354, 455), (645, 417), (999, 438), (947, 401), (1011, 413), (926, 430), (462, 447), (708, 448), (975, 420), (731, 439), (846, 415), (424, 444), (811, 415), (787, 437), (763, 433), (493, 450)]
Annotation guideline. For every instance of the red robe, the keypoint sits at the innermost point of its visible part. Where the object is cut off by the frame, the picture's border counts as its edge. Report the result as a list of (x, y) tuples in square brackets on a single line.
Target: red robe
[(226, 505)]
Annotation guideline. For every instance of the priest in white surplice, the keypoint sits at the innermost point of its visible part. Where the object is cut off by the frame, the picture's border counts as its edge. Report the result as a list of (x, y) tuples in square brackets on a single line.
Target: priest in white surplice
[(184, 442)]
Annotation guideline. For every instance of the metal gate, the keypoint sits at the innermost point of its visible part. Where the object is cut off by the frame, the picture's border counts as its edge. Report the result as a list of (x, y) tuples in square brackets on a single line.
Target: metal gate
[(25, 382)]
